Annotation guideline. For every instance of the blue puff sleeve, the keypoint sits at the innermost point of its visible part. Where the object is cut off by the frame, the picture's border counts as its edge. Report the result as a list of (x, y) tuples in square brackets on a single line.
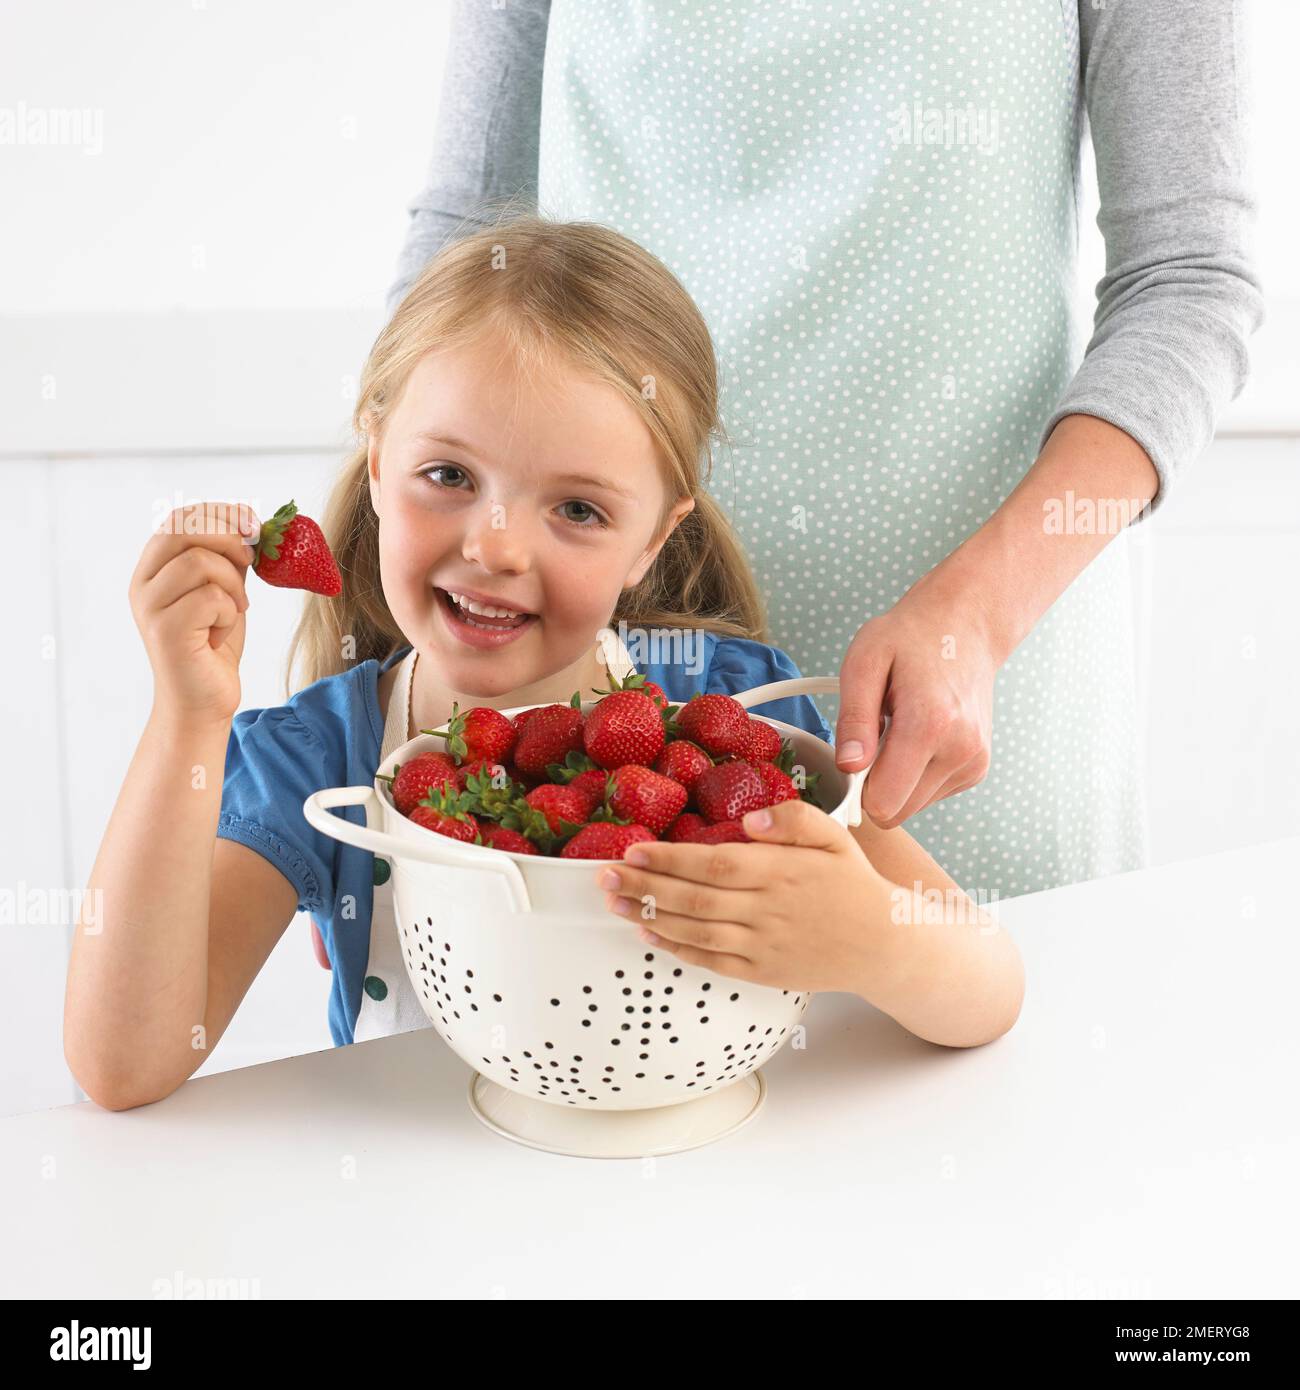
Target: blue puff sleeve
[(740, 664), (273, 763)]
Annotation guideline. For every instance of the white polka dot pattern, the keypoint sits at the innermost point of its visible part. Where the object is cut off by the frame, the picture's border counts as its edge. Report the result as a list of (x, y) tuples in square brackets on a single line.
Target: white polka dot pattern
[(874, 206)]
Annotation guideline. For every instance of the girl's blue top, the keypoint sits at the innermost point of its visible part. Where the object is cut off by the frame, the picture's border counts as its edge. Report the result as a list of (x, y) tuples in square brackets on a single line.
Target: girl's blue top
[(330, 735)]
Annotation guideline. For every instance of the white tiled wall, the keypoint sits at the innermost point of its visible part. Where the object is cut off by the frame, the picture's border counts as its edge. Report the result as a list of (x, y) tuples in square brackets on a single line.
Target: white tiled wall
[(1219, 606)]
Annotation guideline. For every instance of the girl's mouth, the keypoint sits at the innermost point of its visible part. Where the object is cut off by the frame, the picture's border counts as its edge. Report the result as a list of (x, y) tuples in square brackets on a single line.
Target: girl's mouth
[(478, 630)]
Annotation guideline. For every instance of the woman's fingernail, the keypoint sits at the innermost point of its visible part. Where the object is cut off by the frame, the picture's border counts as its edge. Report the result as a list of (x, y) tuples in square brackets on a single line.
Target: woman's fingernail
[(636, 855), (850, 750), (621, 906), (648, 937), (609, 879), (757, 820)]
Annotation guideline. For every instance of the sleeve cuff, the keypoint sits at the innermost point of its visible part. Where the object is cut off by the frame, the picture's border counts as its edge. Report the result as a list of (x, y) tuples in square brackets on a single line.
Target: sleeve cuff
[(288, 860)]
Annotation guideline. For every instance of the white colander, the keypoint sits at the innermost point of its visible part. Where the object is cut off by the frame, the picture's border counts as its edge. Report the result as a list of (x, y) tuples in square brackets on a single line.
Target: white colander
[(584, 1040)]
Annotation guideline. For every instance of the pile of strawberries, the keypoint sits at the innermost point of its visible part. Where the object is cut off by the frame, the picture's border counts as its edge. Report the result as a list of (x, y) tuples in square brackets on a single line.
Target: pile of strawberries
[(556, 781)]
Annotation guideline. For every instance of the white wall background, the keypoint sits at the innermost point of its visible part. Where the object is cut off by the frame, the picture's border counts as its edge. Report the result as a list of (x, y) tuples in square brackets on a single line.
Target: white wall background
[(185, 310)]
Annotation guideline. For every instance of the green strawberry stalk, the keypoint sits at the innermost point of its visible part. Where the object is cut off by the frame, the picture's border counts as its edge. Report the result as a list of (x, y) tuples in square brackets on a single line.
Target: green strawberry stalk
[(484, 798), (785, 761), (444, 811), (550, 833), (534, 826), (453, 733), (635, 680), (574, 765)]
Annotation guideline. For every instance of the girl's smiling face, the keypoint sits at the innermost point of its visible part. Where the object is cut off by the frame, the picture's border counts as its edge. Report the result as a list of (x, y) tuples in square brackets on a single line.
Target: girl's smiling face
[(540, 495)]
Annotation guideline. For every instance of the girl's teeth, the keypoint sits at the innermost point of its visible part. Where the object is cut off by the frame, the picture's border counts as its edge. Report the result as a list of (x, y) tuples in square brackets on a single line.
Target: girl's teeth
[(483, 609)]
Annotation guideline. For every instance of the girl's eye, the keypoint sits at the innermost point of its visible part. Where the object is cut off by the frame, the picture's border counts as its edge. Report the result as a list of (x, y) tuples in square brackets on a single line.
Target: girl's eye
[(593, 517), (443, 468)]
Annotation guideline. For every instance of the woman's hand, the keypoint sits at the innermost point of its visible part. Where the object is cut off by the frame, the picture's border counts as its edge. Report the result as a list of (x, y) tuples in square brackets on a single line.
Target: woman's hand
[(930, 661), (793, 910), (188, 599), (929, 664)]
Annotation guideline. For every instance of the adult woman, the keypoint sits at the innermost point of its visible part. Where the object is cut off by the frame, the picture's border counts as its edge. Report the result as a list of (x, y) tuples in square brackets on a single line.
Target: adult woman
[(875, 205)]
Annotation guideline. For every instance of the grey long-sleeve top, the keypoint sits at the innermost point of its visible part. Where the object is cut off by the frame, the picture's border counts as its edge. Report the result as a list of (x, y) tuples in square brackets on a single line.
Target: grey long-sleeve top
[(1165, 88)]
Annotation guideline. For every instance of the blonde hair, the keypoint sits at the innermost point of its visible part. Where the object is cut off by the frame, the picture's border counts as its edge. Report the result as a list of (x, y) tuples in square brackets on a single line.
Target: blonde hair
[(573, 294)]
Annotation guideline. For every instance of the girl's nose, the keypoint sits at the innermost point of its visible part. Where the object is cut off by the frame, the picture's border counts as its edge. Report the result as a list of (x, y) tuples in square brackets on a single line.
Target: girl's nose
[(496, 540)]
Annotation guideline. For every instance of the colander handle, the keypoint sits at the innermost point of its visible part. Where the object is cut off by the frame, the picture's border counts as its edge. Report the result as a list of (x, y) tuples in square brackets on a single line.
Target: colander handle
[(815, 685), (439, 849)]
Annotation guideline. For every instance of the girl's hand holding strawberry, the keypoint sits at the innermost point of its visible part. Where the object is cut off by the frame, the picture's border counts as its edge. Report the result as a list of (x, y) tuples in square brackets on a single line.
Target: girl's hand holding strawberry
[(188, 599), (800, 908)]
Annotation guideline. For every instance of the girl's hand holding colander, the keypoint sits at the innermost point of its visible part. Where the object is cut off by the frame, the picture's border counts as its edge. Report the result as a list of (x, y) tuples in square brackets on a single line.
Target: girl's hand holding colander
[(802, 908)]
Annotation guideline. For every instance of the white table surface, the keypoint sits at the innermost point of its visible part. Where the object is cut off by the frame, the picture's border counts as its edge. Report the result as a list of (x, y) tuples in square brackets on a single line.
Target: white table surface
[(1137, 1134)]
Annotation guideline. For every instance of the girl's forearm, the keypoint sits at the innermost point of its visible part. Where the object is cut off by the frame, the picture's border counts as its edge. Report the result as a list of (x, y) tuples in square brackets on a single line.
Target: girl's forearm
[(941, 966), (137, 976)]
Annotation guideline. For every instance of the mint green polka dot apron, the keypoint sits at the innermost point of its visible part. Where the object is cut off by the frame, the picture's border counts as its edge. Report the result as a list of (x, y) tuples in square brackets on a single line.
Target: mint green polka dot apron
[(875, 207)]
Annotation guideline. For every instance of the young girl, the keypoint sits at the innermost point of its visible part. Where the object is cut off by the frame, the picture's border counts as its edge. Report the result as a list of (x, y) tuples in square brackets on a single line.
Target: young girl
[(534, 419)]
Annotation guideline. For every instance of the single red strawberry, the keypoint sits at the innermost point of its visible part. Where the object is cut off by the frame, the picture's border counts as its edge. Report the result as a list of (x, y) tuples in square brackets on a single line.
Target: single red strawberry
[(593, 785), (727, 791), (762, 743), (480, 732), (717, 723), (549, 736), (636, 681), (720, 833), (779, 786), (684, 826), (604, 840), (414, 778), (624, 727), (646, 797), (577, 770), (522, 718), (443, 811), (489, 767), (292, 553), (560, 805), (683, 761), (501, 837), (656, 693)]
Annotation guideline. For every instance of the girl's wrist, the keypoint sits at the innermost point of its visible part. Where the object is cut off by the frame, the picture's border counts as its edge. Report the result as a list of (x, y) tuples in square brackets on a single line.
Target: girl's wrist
[(188, 727)]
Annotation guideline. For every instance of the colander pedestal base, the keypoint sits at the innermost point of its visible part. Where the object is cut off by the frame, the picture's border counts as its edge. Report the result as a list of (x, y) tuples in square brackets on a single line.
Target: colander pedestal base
[(666, 1129)]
